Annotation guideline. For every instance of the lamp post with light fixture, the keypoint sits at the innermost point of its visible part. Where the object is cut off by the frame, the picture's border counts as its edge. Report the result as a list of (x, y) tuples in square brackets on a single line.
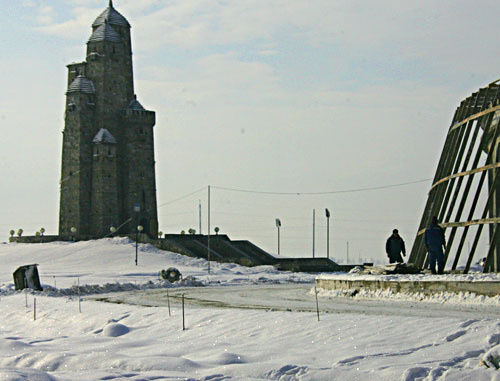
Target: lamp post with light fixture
[(327, 213), (278, 225), (139, 229)]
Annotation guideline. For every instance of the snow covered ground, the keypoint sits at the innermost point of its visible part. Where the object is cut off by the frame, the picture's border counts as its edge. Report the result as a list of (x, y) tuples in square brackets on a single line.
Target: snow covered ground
[(131, 342)]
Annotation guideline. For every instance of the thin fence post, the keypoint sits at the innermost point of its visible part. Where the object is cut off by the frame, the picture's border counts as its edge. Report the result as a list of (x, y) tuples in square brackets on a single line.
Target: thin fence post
[(26, 297), (317, 305), (79, 298), (34, 308), (55, 282), (168, 303), (183, 318)]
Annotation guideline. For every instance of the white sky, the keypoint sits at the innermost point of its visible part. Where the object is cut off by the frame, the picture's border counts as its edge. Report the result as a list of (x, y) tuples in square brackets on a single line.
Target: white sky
[(285, 96)]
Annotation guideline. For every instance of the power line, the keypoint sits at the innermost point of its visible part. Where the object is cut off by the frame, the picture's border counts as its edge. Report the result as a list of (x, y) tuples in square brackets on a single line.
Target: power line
[(182, 197), (327, 192)]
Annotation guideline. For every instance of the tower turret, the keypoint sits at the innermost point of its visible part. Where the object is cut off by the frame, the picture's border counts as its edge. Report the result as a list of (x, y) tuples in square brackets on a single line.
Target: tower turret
[(76, 156)]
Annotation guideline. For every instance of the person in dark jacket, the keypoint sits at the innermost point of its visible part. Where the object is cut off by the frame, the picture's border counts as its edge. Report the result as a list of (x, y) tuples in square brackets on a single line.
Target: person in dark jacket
[(394, 247), (435, 243)]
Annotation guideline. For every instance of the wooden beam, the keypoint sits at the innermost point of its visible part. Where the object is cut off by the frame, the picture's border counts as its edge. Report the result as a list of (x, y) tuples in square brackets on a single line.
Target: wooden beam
[(468, 173), (475, 116)]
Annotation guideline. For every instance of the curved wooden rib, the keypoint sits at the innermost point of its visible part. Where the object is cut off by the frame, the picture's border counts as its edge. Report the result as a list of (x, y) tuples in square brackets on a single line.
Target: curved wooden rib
[(466, 173), (472, 117), (482, 221)]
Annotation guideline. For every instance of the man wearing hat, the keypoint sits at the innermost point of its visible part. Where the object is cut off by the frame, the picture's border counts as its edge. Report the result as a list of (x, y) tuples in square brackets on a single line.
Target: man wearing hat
[(394, 247)]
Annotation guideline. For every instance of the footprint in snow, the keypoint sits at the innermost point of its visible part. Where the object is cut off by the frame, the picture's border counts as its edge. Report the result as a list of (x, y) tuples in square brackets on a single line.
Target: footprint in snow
[(215, 377), (413, 374), (467, 323), (455, 336), (493, 339), (116, 320), (287, 373), (351, 360)]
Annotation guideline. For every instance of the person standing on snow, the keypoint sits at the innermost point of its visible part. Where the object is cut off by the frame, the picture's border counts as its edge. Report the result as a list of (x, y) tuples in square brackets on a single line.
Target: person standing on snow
[(394, 247), (435, 243)]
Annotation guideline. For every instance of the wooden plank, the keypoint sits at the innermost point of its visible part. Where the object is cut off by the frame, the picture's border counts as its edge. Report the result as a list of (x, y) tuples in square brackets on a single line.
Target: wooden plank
[(467, 173), (475, 116), (480, 221), (458, 216), (491, 192)]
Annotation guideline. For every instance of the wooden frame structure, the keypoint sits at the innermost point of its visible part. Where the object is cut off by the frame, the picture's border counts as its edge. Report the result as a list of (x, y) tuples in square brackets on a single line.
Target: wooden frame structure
[(460, 196)]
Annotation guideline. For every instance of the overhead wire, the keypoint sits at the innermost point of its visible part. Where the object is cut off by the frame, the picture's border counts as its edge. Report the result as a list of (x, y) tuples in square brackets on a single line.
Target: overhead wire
[(325, 192), (181, 198)]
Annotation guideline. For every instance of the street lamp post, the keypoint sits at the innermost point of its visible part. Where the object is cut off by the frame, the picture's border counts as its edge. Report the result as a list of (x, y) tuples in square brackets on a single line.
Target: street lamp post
[(139, 229), (278, 225), (137, 209), (327, 213), (73, 233)]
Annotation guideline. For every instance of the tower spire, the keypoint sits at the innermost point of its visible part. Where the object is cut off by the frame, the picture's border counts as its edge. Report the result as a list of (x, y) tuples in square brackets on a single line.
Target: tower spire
[(111, 3)]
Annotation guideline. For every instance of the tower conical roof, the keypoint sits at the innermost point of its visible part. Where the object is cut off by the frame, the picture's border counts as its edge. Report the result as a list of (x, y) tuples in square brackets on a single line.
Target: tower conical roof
[(104, 136), (135, 105), (111, 16), (81, 84), (105, 32)]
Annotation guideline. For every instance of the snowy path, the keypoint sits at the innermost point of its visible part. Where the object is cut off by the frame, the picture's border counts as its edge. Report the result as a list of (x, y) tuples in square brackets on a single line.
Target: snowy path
[(297, 298)]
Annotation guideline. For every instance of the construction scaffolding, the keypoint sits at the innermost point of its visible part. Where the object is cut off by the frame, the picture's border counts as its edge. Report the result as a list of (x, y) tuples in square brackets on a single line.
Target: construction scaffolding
[(460, 196)]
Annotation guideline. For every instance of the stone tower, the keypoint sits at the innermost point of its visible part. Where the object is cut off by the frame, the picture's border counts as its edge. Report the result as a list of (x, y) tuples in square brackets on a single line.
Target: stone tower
[(108, 167)]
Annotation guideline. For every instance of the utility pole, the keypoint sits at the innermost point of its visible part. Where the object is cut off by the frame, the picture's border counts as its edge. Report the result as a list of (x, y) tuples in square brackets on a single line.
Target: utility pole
[(199, 208), (208, 236), (314, 228), (347, 252), (278, 225)]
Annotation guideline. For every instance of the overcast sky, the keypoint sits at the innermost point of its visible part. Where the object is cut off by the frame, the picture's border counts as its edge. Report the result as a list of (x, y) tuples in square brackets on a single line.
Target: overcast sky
[(264, 95)]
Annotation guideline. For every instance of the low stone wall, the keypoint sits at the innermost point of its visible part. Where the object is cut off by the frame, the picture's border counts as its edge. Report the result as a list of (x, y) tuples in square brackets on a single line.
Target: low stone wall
[(428, 287), (34, 239)]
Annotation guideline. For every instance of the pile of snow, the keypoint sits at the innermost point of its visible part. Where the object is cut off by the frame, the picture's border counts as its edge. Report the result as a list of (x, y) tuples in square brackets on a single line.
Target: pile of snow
[(108, 265), (115, 330), (472, 277), (390, 294)]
